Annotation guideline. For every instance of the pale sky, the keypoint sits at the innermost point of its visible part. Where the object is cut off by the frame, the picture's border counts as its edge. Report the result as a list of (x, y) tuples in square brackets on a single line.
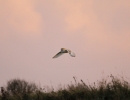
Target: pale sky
[(33, 31)]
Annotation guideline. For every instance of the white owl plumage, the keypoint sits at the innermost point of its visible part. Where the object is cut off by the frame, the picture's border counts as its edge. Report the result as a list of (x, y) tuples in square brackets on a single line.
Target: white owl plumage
[(63, 51)]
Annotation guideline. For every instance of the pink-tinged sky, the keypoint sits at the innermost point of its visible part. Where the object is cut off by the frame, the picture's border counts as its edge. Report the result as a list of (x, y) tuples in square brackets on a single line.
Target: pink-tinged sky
[(33, 31)]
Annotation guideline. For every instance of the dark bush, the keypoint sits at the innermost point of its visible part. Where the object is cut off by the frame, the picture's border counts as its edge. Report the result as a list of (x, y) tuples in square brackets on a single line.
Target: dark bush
[(20, 88)]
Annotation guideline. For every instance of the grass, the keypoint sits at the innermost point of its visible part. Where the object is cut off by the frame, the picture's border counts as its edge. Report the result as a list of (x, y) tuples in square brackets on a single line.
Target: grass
[(113, 88)]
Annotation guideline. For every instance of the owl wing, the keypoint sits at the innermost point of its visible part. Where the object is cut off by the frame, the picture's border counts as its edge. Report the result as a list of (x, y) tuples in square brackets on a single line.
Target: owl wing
[(58, 54), (72, 54)]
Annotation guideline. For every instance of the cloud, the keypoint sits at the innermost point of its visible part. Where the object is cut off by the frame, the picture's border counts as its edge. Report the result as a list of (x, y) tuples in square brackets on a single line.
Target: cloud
[(76, 16), (80, 15), (101, 21), (104, 23), (20, 17), (115, 18)]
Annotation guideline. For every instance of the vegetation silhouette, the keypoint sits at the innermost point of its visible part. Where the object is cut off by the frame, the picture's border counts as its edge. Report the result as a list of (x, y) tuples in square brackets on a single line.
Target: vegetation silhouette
[(113, 89)]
